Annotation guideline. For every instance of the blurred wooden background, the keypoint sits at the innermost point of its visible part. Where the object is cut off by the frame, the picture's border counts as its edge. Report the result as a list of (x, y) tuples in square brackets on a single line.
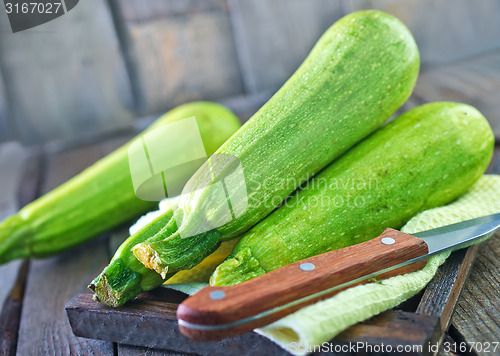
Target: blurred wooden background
[(106, 63)]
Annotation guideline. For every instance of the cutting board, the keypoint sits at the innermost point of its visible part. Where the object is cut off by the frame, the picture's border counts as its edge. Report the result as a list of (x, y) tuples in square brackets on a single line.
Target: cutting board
[(150, 320)]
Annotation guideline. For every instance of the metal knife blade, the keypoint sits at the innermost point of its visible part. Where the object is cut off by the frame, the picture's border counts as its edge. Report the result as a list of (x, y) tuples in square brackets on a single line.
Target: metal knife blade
[(459, 234)]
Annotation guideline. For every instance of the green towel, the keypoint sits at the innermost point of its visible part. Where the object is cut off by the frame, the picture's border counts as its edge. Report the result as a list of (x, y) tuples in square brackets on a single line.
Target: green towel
[(299, 332)]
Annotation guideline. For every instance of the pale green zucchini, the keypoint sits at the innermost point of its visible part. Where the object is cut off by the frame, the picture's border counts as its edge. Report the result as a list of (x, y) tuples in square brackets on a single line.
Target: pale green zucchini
[(102, 196), (357, 75), (425, 158)]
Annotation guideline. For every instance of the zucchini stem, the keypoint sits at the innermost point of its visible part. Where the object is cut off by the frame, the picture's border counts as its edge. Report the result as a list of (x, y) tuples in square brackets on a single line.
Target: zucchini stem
[(125, 277), (176, 253)]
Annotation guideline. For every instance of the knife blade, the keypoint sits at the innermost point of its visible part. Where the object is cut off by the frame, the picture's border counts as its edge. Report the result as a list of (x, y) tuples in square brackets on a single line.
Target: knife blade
[(218, 312)]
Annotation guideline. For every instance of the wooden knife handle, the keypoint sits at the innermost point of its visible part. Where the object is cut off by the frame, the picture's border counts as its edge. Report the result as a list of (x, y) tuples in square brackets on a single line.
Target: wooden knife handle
[(216, 306)]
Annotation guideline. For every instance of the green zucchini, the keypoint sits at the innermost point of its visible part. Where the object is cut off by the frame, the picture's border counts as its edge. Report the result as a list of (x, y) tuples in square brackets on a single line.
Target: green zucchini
[(125, 277), (102, 196), (358, 74), (425, 158)]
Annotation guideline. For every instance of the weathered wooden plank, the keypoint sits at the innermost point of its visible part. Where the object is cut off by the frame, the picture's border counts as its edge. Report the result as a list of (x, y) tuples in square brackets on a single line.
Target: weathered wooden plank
[(394, 328), (475, 81), (52, 282), (179, 51), (127, 350), (66, 78), (442, 292), (13, 159), (150, 321), (445, 30), (477, 316), (274, 36), (5, 129), (13, 274), (11, 312), (8, 276)]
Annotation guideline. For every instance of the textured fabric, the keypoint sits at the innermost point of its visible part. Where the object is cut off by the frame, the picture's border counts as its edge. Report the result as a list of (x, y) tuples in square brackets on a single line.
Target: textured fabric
[(315, 324)]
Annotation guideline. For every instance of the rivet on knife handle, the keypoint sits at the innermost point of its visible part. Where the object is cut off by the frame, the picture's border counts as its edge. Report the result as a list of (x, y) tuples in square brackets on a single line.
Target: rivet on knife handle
[(218, 312)]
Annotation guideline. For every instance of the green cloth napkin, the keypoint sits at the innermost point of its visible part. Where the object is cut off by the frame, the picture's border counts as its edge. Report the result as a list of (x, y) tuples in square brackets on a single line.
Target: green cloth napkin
[(299, 332)]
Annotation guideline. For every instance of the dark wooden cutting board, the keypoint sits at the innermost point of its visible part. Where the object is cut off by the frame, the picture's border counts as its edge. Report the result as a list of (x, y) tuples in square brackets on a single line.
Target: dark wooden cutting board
[(150, 320)]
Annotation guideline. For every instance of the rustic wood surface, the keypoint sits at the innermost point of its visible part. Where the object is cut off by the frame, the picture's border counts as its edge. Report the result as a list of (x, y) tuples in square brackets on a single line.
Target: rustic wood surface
[(479, 300), (395, 327), (10, 315), (151, 321), (127, 350), (442, 293)]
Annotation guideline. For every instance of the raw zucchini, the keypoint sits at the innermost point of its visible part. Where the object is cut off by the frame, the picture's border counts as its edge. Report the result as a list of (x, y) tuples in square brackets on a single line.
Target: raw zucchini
[(100, 197), (357, 75), (425, 158), (125, 277)]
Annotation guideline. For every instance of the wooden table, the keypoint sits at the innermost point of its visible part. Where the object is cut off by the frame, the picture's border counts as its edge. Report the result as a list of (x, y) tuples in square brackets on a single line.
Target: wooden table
[(33, 320)]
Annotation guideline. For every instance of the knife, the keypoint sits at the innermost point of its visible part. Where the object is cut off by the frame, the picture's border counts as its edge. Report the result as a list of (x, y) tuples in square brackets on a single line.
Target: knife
[(215, 313)]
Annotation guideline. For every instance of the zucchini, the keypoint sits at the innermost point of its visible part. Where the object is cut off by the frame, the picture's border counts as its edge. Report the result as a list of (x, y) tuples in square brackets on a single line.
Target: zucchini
[(425, 158), (125, 277), (102, 196), (358, 74)]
